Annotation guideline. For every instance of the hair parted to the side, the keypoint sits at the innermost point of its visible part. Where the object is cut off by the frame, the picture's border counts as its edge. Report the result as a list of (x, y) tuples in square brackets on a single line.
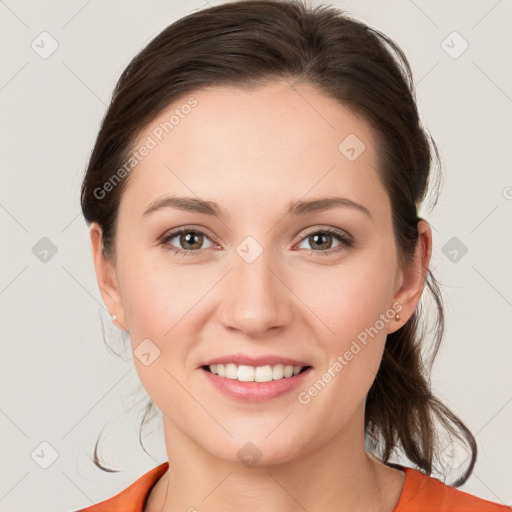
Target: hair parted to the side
[(250, 43)]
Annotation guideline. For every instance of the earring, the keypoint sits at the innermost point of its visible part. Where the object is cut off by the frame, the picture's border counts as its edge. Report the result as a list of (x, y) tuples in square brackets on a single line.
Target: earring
[(397, 317)]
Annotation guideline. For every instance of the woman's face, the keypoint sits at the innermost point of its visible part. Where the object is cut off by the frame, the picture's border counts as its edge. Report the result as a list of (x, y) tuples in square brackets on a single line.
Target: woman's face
[(259, 280)]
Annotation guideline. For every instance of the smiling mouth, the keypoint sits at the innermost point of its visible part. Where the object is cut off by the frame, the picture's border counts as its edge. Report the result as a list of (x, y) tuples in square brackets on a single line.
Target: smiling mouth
[(245, 373)]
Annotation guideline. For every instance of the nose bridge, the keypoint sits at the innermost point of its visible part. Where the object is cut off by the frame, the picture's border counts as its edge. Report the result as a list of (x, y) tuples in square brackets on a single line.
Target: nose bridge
[(256, 298)]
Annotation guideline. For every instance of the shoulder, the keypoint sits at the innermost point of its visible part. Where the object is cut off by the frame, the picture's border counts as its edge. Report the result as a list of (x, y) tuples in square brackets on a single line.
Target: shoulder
[(133, 498), (422, 493)]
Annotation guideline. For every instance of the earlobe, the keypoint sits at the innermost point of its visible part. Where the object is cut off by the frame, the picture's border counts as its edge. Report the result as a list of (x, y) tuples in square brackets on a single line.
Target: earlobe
[(413, 277), (106, 278)]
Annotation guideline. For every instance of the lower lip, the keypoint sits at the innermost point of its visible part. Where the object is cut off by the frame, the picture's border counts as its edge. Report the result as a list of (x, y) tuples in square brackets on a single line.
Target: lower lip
[(255, 391)]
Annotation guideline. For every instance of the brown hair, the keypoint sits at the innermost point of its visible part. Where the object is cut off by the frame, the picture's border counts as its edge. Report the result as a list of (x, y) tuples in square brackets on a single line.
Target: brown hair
[(250, 43)]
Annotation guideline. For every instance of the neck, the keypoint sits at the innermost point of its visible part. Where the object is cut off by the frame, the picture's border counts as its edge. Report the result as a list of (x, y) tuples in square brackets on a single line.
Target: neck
[(338, 475)]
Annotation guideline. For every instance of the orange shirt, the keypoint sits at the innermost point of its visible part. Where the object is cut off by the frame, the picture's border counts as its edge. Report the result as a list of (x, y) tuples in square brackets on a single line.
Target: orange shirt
[(420, 493)]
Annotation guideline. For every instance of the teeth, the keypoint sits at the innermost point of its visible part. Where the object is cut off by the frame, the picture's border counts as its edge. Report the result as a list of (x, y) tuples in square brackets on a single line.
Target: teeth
[(246, 373)]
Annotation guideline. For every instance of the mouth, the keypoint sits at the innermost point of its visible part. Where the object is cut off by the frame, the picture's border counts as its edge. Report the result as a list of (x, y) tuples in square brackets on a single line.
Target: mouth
[(261, 374), (252, 384)]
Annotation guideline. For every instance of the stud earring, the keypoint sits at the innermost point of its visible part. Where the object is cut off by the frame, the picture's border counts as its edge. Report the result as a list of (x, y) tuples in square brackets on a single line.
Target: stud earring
[(397, 317)]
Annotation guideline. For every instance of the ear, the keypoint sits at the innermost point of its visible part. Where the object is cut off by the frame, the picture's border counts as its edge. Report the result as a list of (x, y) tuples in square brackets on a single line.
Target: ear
[(106, 277), (411, 279)]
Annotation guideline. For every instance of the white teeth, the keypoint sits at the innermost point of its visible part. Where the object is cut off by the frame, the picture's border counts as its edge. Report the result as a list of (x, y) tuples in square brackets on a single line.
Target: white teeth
[(263, 373), (277, 372), (231, 371), (246, 373)]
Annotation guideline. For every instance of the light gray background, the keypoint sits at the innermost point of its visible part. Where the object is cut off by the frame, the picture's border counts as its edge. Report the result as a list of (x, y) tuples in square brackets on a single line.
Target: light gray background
[(58, 383)]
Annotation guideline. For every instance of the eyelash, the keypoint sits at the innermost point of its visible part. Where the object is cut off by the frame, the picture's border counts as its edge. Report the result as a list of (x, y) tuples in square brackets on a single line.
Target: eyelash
[(346, 241)]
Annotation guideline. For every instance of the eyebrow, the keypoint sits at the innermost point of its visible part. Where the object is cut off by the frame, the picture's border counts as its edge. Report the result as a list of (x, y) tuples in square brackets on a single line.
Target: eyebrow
[(297, 208)]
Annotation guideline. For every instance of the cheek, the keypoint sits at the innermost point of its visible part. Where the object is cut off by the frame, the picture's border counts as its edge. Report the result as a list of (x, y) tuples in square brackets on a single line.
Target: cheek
[(355, 314), (165, 304), (157, 296), (354, 306), (347, 299), (159, 305)]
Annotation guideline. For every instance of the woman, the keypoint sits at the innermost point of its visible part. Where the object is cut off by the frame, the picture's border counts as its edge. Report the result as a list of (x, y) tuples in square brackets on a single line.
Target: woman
[(253, 200)]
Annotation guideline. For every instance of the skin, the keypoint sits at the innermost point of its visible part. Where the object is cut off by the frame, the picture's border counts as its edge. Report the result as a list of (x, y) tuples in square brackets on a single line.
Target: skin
[(253, 152)]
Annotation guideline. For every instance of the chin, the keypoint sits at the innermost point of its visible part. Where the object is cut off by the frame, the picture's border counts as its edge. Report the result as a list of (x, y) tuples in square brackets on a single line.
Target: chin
[(257, 449)]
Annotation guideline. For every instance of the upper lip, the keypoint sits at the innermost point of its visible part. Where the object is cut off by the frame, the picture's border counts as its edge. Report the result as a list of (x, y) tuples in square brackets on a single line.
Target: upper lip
[(240, 359)]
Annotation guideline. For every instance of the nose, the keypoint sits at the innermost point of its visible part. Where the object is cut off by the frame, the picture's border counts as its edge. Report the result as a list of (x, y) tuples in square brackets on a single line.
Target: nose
[(257, 296)]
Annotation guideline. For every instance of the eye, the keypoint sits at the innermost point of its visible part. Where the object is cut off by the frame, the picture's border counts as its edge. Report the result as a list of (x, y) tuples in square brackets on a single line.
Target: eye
[(191, 241), (322, 239)]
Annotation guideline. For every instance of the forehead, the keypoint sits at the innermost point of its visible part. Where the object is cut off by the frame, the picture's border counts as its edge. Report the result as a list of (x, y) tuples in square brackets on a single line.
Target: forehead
[(277, 142)]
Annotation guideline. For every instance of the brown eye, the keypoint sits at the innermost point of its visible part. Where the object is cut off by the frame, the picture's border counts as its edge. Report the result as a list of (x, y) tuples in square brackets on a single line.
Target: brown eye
[(188, 240), (321, 241)]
